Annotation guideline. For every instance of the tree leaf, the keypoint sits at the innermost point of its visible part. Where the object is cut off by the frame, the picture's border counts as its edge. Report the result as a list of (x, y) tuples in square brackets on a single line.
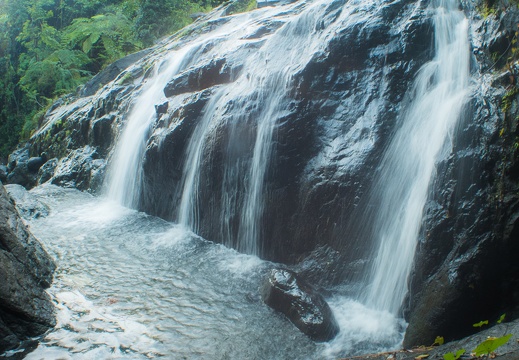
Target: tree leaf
[(501, 319), (491, 344), (439, 340), (87, 45), (451, 356), (480, 324)]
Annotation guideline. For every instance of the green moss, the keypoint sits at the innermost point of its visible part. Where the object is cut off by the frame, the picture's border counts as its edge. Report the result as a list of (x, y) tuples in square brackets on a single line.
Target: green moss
[(487, 10), (506, 102), (126, 78), (240, 6)]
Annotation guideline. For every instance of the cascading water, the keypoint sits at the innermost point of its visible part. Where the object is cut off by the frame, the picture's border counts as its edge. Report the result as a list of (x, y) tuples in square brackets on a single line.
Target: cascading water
[(125, 173), (428, 121), (266, 82)]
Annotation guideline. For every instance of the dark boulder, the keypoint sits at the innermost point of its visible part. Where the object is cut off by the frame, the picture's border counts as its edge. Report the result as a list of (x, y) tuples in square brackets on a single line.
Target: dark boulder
[(35, 163), (162, 108), (285, 292), (46, 172), (26, 271), (18, 166)]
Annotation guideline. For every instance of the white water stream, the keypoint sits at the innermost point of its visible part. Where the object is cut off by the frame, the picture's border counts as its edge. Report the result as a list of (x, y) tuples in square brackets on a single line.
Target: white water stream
[(124, 177), (435, 103)]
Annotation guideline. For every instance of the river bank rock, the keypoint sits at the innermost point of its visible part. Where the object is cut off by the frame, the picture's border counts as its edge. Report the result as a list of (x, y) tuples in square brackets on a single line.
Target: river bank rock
[(285, 292), (509, 351), (26, 271)]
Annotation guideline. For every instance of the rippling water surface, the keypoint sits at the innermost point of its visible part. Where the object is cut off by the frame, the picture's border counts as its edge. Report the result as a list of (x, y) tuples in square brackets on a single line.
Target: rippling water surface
[(133, 286)]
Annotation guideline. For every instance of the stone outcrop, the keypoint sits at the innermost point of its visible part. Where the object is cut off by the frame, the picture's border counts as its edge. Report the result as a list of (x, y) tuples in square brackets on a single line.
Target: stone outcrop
[(285, 292), (26, 271), (216, 72)]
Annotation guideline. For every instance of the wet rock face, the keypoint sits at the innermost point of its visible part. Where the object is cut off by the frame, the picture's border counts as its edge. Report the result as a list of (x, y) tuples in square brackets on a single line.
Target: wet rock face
[(285, 292), (339, 116), (216, 72), (26, 271), (464, 269), (82, 169), (23, 169)]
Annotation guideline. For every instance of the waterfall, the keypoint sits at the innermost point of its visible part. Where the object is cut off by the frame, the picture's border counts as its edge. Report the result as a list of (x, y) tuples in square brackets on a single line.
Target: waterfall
[(408, 167), (265, 86), (125, 173)]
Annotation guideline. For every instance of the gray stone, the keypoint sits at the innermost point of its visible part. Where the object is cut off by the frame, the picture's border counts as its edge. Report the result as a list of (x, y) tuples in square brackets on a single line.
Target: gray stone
[(111, 72), (27, 204), (35, 163), (26, 271)]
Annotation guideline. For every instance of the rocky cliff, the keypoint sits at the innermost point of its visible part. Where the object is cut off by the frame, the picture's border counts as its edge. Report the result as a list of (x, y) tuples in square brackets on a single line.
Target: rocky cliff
[(338, 117), (26, 271)]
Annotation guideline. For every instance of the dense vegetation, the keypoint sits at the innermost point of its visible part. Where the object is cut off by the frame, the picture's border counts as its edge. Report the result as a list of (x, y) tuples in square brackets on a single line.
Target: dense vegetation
[(49, 47)]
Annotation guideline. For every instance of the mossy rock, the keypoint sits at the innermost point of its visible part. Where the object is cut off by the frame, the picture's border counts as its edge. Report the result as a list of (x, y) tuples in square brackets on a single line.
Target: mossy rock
[(240, 6)]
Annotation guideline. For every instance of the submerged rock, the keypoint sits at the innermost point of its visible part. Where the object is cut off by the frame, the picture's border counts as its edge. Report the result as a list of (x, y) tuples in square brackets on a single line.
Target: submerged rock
[(285, 292), (26, 271)]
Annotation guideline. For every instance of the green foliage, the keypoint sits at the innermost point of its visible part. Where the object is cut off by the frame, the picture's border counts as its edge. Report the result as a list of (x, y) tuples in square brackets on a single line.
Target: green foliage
[(501, 319), (480, 324), (49, 47), (104, 37), (452, 356), (438, 341), (239, 6), (491, 344), (506, 102)]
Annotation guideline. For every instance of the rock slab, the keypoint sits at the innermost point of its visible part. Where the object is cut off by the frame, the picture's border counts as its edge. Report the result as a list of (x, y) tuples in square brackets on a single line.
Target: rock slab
[(26, 271)]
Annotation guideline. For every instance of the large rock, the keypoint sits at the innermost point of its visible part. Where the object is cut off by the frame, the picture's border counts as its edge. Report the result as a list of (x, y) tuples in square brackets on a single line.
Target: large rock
[(26, 271), (82, 169), (27, 205), (111, 72), (285, 292)]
